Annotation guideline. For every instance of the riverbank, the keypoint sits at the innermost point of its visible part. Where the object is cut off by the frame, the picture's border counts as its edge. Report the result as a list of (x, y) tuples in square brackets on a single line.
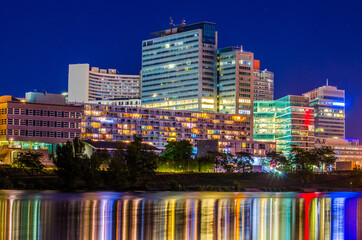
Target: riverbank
[(268, 182)]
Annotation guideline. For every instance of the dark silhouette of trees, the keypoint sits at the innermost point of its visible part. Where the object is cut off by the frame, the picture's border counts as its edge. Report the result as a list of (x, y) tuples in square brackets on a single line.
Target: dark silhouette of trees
[(141, 162), (70, 161), (91, 171), (30, 161), (118, 168)]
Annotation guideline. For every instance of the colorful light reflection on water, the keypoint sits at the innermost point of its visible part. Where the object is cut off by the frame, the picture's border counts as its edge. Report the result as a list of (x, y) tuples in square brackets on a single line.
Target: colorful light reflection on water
[(191, 215)]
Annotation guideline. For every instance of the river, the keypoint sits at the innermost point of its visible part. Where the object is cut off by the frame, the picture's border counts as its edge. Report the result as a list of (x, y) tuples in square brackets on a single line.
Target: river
[(180, 215)]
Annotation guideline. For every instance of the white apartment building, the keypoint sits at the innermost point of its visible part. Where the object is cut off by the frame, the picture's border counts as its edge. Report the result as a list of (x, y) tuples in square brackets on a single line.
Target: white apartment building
[(85, 84)]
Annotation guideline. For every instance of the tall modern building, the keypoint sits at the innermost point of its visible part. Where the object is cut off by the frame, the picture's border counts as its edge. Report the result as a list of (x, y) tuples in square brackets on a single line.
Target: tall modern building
[(287, 121), (329, 111), (86, 84), (235, 83), (179, 68), (263, 83)]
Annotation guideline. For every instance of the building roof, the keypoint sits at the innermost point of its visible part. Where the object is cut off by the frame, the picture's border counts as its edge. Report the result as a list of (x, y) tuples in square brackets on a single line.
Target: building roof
[(184, 28), (113, 145)]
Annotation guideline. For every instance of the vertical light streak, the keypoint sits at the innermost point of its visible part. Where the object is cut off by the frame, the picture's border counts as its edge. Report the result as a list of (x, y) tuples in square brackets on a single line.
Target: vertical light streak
[(125, 220)]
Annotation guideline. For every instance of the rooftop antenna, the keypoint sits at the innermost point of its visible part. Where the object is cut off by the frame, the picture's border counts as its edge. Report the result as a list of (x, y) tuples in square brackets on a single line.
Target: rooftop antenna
[(327, 81), (183, 22), (171, 24)]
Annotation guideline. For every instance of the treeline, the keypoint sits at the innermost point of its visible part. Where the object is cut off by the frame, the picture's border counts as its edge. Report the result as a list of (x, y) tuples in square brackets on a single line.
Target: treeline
[(133, 167), (304, 160)]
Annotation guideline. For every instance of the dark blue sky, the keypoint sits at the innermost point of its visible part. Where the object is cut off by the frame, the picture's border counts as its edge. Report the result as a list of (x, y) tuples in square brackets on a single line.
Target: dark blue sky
[(302, 42)]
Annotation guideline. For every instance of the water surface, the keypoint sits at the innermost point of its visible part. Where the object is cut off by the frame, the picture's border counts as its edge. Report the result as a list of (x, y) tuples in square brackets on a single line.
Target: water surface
[(180, 215)]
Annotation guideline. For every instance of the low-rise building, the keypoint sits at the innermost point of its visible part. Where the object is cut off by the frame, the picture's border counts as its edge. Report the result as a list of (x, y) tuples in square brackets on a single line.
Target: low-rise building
[(234, 146), (40, 121), (111, 147), (258, 150), (348, 152), (158, 126)]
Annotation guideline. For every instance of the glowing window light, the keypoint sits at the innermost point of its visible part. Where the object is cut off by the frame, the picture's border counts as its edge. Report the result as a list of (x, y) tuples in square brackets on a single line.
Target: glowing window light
[(338, 104)]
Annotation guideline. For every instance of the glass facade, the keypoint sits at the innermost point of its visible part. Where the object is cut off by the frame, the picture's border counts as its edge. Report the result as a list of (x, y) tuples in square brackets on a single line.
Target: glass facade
[(179, 69), (287, 121)]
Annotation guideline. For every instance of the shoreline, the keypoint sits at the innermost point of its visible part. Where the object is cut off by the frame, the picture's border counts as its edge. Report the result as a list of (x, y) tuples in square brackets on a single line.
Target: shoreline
[(204, 182)]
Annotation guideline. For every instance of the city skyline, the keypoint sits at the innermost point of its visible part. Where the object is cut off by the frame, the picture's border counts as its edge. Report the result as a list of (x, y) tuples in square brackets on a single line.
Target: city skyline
[(294, 41)]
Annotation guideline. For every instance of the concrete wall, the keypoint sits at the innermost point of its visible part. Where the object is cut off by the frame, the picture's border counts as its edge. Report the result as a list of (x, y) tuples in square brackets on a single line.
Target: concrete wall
[(78, 83)]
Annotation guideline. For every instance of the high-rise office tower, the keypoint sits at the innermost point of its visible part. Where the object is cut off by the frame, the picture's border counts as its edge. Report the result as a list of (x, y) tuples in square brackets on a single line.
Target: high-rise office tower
[(235, 80), (85, 85), (288, 121), (179, 68), (235, 83), (329, 111), (263, 83)]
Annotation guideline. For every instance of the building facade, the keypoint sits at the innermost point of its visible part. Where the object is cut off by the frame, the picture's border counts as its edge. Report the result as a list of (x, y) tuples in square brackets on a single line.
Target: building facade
[(157, 126), (179, 68), (235, 81), (86, 84), (348, 152), (287, 121), (329, 111), (134, 102), (37, 125), (259, 149), (263, 83)]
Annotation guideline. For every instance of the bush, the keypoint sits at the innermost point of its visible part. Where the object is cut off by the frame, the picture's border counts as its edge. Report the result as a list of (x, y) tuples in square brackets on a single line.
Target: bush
[(174, 185)]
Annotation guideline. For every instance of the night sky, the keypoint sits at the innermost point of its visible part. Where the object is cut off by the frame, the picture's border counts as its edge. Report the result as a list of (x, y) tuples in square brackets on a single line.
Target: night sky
[(302, 42)]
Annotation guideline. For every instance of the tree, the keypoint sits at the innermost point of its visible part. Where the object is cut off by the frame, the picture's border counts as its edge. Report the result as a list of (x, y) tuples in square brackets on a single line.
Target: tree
[(141, 161), (178, 154), (302, 159), (30, 160), (244, 161), (324, 157), (223, 161), (70, 162), (118, 168), (207, 161), (91, 170), (279, 160)]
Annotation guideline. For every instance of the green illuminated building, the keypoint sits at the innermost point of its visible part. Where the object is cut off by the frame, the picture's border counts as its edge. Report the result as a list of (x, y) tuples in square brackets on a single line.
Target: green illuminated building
[(287, 121)]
